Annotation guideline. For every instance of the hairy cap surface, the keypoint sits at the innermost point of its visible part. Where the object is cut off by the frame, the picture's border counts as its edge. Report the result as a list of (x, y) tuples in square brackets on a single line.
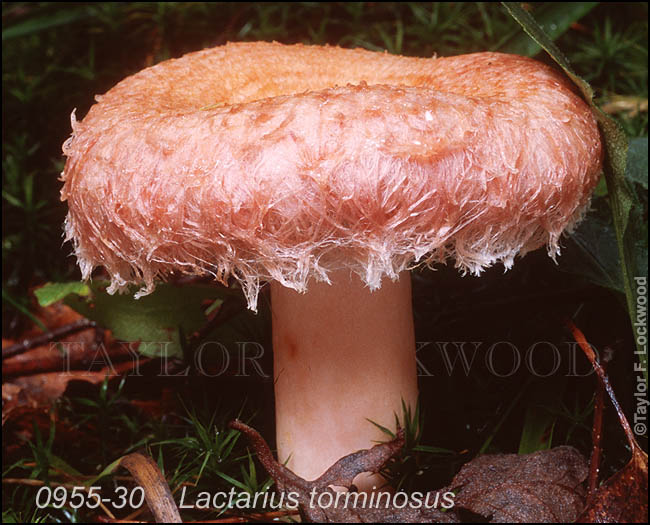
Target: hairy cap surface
[(265, 161)]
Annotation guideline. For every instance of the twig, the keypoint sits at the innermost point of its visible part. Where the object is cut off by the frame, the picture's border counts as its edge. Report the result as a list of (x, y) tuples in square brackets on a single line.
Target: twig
[(589, 352), (79, 355), (265, 456), (597, 432), (53, 335)]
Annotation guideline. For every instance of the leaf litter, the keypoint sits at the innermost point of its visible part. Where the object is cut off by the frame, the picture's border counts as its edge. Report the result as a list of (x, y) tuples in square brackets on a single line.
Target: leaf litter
[(545, 486)]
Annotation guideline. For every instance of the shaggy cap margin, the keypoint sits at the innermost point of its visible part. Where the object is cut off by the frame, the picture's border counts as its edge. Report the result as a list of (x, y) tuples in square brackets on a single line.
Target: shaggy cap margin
[(264, 161)]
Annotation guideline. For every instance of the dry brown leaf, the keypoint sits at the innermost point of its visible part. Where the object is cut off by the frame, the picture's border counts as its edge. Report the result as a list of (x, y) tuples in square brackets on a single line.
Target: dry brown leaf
[(80, 351), (53, 316), (340, 474), (85, 345), (40, 390), (623, 498), (156, 491), (544, 486), (15, 397)]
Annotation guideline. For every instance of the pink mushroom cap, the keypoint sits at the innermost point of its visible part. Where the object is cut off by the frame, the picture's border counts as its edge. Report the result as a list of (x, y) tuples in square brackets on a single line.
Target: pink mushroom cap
[(272, 162)]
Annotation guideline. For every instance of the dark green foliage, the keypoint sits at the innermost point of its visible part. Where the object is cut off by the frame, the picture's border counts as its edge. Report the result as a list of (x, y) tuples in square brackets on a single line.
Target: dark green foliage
[(57, 56), (193, 447)]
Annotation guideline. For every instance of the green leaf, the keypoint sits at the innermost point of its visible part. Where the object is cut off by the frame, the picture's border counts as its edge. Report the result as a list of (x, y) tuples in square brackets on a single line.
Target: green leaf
[(433, 450), (601, 187), (53, 292), (515, 399), (554, 18), (61, 465), (595, 256), (87, 402), (385, 430), (12, 200), (622, 199), (540, 418), (106, 472), (153, 320), (636, 235), (636, 168), (538, 429), (7, 297), (594, 253), (233, 481), (35, 25)]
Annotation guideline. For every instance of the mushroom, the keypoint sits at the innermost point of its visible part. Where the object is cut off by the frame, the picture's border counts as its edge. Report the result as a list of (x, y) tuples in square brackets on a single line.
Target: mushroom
[(329, 172)]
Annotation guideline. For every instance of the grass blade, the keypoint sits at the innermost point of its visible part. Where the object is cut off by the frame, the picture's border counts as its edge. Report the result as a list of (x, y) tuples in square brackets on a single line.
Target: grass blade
[(35, 25), (554, 19)]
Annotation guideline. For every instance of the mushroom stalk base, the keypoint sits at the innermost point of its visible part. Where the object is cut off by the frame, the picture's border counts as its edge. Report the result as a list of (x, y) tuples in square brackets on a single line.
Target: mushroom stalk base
[(343, 355)]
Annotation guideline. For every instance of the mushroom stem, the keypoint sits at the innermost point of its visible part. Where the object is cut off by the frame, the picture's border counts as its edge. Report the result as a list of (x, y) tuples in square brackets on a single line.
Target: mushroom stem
[(343, 355)]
